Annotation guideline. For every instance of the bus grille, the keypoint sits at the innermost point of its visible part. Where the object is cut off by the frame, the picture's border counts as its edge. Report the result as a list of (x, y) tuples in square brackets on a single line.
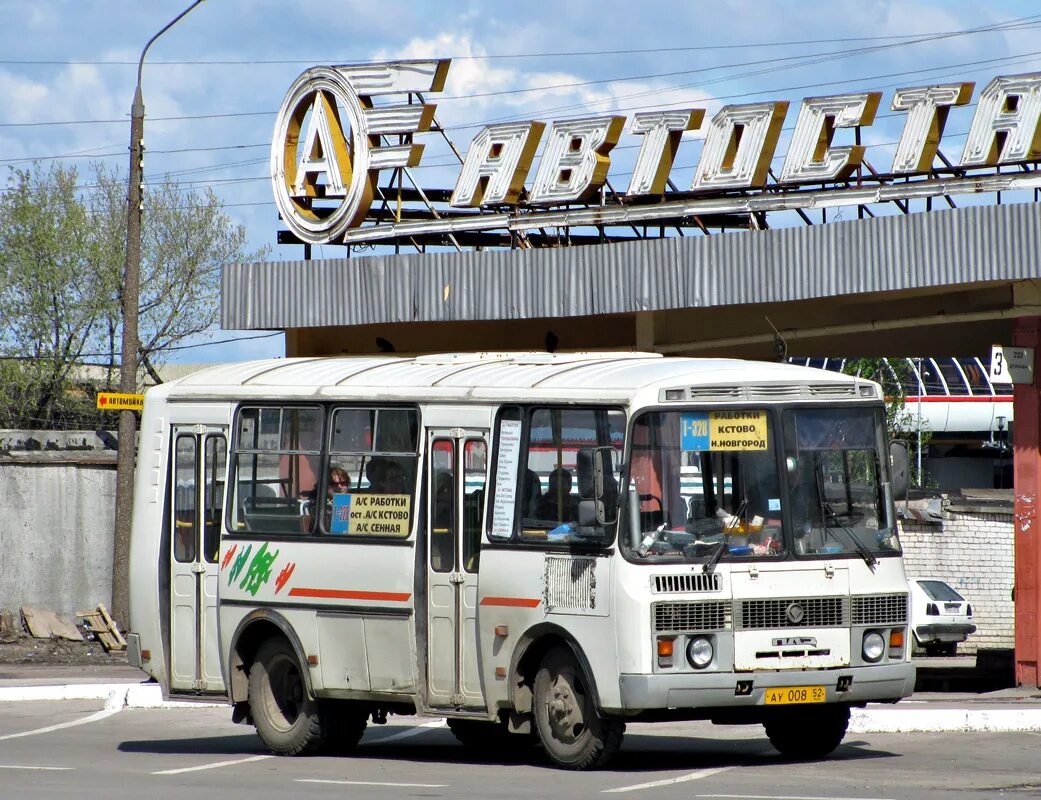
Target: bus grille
[(880, 609), (690, 582), (676, 617), (795, 612), (832, 390)]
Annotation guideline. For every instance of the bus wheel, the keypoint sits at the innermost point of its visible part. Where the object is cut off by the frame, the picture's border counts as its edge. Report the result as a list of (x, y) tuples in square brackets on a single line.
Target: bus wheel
[(573, 734), (286, 718), (343, 725), (808, 733)]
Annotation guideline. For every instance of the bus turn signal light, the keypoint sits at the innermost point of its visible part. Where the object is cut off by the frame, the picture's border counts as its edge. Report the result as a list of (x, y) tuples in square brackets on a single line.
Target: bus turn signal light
[(665, 648), (896, 638)]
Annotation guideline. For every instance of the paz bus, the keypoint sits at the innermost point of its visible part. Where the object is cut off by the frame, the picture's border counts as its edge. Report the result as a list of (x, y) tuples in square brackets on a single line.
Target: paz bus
[(530, 545)]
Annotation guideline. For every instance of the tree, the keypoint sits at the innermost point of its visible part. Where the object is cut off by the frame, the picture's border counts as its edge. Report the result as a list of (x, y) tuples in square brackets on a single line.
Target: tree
[(52, 293), (62, 249), (185, 240)]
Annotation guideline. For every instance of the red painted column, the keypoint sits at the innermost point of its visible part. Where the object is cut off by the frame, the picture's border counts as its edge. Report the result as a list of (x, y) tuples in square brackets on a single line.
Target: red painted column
[(1026, 444)]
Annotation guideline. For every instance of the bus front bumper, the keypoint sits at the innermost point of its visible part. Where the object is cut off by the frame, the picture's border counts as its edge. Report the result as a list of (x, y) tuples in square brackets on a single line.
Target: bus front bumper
[(877, 683)]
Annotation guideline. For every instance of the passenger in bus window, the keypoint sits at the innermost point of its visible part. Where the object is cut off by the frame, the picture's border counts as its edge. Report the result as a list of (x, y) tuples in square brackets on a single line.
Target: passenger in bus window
[(532, 497), (394, 481), (558, 504), (374, 470), (339, 483)]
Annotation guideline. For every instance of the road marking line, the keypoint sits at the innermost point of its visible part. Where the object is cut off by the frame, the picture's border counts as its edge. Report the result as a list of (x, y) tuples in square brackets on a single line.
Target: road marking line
[(693, 776), (376, 783), (17, 766), (95, 717), (216, 765), (413, 731), (785, 797)]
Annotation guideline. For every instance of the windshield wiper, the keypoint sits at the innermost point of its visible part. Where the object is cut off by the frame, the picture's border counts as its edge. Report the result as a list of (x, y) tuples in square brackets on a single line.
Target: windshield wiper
[(733, 522), (710, 565), (862, 550)]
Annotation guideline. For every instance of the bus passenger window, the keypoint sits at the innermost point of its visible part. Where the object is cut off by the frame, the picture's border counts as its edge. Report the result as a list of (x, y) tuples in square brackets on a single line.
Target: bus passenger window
[(377, 449), (442, 506), (185, 532), (276, 464), (213, 476), (475, 458), (550, 487)]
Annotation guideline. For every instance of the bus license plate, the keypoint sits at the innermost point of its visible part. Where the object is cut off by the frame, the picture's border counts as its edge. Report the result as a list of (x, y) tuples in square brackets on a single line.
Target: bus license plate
[(790, 695)]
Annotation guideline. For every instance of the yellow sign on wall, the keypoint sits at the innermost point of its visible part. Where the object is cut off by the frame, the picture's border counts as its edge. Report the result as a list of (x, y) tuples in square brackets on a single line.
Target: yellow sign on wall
[(114, 401)]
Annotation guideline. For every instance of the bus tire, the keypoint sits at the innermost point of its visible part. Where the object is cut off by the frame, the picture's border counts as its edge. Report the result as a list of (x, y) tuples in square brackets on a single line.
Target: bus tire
[(343, 725), (571, 730), (286, 718), (808, 733)]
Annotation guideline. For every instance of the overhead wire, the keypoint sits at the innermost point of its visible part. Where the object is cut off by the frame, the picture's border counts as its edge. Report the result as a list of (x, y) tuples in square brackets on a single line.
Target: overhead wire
[(1022, 23), (802, 60)]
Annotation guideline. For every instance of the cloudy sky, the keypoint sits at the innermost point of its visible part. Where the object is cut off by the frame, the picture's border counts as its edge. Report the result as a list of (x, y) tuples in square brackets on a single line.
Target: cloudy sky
[(214, 82)]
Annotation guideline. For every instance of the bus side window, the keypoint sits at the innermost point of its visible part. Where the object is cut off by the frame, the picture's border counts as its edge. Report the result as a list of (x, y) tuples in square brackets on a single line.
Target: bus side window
[(276, 463), (475, 458), (442, 506)]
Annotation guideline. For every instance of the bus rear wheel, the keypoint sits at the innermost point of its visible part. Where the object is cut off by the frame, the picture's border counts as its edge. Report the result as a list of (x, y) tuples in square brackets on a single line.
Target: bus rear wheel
[(286, 718), (572, 732), (808, 733)]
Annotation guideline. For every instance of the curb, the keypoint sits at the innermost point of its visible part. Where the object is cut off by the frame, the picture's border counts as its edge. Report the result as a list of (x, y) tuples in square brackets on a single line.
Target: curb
[(945, 720), (888, 719), (115, 695)]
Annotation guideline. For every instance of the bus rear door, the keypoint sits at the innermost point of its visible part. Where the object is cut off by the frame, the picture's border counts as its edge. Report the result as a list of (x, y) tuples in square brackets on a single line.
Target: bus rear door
[(198, 477)]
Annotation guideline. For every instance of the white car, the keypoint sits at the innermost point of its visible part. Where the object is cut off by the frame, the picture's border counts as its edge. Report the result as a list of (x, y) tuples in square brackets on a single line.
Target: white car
[(940, 617)]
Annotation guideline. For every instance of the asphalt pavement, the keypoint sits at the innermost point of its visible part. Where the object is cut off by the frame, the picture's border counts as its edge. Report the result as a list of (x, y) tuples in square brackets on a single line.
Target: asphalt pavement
[(122, 686)]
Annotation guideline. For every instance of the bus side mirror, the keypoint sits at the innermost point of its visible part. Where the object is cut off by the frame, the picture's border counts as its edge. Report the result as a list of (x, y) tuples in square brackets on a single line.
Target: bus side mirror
[(596, 482), (899, 469)]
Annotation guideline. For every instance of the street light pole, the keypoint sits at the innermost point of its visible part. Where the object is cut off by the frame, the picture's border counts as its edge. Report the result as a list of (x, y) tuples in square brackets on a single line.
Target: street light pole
[(129, 302)]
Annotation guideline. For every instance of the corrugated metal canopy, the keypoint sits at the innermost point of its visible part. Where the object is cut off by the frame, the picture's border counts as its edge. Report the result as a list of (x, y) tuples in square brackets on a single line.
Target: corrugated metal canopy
[(920, 251)]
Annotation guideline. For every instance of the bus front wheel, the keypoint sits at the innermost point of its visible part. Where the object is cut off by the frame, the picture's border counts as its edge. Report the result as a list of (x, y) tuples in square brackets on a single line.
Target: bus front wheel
[(808, 733), (286, 718), (571, 730)]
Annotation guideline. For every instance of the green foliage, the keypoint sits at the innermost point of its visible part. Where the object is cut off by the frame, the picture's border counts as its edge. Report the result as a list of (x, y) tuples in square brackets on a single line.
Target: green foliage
[(62, 253)]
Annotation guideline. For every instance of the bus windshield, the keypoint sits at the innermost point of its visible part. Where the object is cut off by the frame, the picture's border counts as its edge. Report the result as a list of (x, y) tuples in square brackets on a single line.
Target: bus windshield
[(836, 482), (704, 484), (744, 484)]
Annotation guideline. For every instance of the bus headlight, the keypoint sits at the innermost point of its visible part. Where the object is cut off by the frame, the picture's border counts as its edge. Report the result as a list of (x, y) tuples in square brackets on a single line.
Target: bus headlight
[(700, 652), (874, 646)]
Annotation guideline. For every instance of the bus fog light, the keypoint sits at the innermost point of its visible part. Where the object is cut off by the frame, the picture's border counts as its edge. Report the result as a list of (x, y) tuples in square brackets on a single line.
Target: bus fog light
[(700, 652), (874, 646)]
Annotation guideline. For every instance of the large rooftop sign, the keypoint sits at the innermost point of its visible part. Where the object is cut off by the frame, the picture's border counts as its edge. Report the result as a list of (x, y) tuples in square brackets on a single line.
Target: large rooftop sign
[(332, 139)]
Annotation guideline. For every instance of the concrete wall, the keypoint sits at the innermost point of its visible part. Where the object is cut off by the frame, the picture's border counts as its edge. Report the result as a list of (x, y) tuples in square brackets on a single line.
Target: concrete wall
[(971, 548), (56, 521)]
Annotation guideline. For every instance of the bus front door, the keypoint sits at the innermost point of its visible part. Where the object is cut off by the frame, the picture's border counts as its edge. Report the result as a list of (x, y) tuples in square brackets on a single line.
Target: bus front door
[(197, 488), (456, 476)]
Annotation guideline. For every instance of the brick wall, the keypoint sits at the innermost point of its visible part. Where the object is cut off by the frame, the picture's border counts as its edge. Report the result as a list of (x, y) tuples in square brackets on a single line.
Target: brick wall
[(972, 550)]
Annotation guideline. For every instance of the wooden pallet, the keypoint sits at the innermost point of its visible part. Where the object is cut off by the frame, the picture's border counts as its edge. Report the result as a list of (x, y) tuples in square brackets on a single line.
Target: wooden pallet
[(103, 627)]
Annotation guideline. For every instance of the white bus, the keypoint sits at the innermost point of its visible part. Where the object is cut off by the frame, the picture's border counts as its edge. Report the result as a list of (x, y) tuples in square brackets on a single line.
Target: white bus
[(534, 545)]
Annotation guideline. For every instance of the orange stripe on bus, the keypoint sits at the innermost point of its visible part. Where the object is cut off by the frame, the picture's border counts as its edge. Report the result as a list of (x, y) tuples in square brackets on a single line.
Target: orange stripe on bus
[(349, 594), (514, 602)]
